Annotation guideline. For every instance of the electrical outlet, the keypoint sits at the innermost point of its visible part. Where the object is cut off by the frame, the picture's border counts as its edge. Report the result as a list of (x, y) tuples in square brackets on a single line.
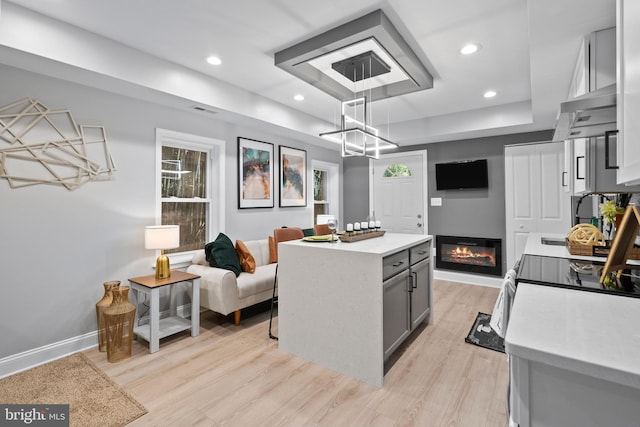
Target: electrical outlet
[(436, 201)]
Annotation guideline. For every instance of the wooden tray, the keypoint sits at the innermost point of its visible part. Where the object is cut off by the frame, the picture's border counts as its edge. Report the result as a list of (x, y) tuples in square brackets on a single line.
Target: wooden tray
[(364, 236), (598, 251)]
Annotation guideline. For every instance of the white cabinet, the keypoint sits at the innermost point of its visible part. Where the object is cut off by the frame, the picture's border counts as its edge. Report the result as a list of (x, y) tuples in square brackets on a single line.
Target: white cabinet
[(596, 64), (628, 91), (581, 181), (567, 172), (580, 79)]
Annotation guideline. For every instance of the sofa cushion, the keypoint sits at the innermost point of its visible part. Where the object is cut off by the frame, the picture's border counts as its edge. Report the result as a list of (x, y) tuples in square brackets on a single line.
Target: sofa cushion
[(247, 262), (260, 281), (259, 250), (200, 258), (222, 254)]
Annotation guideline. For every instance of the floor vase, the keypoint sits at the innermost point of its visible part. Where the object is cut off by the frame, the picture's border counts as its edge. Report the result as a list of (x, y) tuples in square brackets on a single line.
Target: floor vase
[(101, 306), (119, 320)]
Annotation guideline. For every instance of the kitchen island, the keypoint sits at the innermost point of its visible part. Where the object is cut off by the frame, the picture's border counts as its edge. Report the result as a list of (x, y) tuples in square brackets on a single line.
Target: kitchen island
[(347, 306), (573, 353)]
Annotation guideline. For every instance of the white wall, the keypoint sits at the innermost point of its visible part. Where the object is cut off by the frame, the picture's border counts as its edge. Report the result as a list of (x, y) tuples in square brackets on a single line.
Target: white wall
[(59, 246)]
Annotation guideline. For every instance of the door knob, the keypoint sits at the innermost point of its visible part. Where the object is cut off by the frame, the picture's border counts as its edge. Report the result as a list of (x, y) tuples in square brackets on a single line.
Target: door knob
[(419, 224)]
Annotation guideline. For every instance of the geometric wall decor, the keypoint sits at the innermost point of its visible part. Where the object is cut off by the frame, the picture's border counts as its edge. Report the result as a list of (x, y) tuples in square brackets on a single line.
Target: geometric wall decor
[(43, 146)]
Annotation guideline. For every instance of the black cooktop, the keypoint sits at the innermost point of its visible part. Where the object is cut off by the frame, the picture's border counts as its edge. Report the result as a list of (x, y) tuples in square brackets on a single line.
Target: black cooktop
[(574, 274)]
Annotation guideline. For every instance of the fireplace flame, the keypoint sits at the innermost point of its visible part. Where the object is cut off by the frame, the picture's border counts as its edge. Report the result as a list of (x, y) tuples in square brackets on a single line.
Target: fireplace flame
[(464, 254)]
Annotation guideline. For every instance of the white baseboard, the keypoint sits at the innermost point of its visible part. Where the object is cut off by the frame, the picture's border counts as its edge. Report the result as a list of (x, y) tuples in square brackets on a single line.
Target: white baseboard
[(28, 359), (38, 356), (473, 279)]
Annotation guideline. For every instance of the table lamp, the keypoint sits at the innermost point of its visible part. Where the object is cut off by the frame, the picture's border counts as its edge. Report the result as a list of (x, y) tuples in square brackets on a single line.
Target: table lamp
[(162, 237)]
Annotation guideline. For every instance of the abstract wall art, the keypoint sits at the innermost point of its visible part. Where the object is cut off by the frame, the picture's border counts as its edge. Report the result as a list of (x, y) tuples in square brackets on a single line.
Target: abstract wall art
[(43, 146), (255, 174), (293, 172)]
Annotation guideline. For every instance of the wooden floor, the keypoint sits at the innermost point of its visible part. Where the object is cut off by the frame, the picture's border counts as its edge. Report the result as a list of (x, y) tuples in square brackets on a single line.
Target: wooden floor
[(237, 376)]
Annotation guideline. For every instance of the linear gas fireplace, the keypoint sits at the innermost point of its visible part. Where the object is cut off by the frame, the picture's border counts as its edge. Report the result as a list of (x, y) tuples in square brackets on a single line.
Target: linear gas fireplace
[(469, 254)]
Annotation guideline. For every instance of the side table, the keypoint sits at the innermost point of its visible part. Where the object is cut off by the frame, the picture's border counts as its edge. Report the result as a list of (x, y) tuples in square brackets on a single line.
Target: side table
[(160, 328)]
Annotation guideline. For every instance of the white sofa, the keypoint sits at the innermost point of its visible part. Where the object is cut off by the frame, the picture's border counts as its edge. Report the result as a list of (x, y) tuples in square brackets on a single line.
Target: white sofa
[(221, 291)]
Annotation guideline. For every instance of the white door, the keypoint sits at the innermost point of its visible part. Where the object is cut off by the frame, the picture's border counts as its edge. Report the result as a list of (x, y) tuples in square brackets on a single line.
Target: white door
[(534, 198), (398, 191)]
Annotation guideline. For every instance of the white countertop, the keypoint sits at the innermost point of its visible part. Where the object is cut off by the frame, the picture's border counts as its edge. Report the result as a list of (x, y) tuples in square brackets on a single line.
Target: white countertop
[(385, 245), (589, 333), (534, 246)]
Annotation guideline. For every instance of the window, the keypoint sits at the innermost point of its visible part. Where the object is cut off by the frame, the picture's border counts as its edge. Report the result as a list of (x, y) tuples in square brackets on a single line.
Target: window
[(326, 184), (191, 187), (396, 170), (320, 184)]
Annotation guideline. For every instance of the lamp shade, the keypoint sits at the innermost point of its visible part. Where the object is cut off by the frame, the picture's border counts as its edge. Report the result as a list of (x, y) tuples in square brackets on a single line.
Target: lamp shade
[(162, 236)]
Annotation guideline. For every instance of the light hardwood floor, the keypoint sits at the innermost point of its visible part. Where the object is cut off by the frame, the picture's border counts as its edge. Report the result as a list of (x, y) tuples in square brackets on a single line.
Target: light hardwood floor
[(237, 376)]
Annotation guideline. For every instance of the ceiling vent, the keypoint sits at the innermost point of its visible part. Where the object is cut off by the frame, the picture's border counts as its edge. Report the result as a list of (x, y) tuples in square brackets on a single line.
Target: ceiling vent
[(203, 109)]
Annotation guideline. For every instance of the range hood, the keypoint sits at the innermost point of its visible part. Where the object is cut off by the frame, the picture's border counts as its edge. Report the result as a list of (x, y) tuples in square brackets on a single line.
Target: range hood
[(588, 115)]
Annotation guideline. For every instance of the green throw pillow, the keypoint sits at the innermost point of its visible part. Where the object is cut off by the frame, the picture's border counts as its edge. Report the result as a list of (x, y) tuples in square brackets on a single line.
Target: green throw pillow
[(222, 254)]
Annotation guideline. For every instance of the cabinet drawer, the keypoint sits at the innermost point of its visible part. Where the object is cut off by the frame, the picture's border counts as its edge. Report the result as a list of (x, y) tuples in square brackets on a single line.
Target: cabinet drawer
[(420, 252), (394, 264)]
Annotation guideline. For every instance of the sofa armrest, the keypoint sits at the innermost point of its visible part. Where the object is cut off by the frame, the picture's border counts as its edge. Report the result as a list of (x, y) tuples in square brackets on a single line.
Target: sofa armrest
[(218, 288)]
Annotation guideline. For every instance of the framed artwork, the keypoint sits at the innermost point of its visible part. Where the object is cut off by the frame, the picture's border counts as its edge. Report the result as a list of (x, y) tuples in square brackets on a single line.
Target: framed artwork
[(255, 174), (293, 177)]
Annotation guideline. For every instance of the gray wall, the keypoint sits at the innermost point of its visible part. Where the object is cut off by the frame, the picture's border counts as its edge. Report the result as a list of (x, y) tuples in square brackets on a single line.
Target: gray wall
[(59, 246), (471, 213), (355, 184)]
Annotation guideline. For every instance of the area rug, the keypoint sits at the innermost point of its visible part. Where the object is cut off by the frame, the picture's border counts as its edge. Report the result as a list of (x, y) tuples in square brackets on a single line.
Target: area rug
[(482, 335), (93, 398)]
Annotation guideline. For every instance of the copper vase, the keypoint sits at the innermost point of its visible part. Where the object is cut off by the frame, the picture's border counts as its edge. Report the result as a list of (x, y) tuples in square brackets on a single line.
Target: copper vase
[(119, 320)]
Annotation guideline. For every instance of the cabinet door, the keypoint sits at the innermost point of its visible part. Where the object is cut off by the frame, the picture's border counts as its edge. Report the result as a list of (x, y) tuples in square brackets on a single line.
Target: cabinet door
[(628, 108), (420, 293), (581, 180), (534, 199), (567, 173), (580, 79), (395, 314)]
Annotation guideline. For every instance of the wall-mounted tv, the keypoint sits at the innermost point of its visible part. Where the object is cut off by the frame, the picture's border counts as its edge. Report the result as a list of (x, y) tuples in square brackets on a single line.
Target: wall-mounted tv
[(461, 175)]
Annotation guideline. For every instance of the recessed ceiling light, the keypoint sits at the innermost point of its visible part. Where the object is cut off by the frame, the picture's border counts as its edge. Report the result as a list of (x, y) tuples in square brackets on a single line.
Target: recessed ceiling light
[(489, 94), (470, 48), (214, 60), (298, 97)]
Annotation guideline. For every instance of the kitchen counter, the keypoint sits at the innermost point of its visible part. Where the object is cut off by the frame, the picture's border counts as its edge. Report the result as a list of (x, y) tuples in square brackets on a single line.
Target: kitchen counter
[(587, 333), (534, 246), (573, 354), (573, 358)]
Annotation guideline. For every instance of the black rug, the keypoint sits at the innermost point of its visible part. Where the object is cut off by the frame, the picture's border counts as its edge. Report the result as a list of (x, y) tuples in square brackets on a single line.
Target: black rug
[(481, 334)]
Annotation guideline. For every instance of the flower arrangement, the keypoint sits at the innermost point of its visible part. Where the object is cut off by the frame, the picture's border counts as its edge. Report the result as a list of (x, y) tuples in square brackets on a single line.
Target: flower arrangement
[(609, 210)]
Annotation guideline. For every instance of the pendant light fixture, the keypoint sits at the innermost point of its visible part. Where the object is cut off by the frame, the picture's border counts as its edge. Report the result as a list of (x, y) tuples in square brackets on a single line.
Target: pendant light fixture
[(356, 135)]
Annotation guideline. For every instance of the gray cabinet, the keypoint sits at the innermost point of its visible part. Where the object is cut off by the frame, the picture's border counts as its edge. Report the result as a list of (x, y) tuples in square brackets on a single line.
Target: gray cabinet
[(395, 324), (420, 293), (407, 294)]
